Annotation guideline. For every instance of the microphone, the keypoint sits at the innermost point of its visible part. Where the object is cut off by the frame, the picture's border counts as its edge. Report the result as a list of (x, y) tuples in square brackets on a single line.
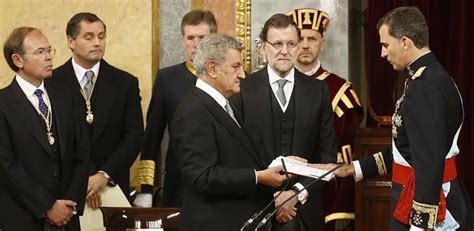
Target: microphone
[(260, 212), (270, 214)]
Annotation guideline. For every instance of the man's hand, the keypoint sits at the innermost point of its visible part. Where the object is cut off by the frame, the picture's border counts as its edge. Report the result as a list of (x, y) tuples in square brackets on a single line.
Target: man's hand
[(344, 171), (97, 182), (271, 176), (94, 201), (288, 211), (143, 200), (61, 212)]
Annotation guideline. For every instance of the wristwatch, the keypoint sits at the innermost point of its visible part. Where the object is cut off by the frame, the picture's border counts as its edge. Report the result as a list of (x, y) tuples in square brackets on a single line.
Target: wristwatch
[(303, 195)]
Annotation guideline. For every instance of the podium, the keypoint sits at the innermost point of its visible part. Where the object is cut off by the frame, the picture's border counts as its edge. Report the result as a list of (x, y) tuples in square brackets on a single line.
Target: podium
[(125, 218)]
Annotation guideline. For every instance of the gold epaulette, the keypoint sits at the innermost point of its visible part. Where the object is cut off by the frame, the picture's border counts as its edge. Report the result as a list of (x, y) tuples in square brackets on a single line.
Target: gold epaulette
[(190, 67), (324, 75), (146, 172), (423, 215), (382, 169), (418, 72)]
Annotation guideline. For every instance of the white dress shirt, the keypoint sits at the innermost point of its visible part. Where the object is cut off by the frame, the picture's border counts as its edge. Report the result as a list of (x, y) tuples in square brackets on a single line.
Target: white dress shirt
[(287, 89), (216, 95), (80, 71), (29, 90), (313, 70)]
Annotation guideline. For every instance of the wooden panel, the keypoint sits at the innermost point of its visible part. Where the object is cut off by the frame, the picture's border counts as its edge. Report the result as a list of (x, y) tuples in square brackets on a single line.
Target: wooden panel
[(376, 201), (372, 198)]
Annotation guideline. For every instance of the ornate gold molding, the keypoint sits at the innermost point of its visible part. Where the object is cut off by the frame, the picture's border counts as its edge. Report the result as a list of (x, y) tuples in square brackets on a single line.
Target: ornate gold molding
[(242, 29)]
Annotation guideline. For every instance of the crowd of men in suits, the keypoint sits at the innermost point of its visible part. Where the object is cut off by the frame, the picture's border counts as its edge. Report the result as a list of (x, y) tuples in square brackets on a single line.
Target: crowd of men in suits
[(67, 134)]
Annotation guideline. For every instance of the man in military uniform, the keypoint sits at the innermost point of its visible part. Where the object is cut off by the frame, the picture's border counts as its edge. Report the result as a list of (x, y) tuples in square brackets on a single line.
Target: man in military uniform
[(426, 193), (171, 85), (348, 112)]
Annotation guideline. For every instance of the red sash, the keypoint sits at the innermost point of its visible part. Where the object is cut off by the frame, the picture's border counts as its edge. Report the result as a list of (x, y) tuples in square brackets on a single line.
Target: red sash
[(405, 176)]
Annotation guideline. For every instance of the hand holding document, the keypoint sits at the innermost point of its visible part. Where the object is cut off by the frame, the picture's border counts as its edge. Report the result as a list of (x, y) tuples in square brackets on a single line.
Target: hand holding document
[(297, 167), (111, 197)]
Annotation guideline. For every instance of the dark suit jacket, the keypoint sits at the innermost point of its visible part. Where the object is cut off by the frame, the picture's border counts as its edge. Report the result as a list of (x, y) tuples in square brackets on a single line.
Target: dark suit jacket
[(171, 84), (314, 134), (33, 178), (117, 132), (217, 162)]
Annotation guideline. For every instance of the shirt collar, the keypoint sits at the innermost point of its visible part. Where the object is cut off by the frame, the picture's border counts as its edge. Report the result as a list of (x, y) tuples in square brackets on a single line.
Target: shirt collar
[(313, 70), (216, 95), (28, 88), (80, 71), (273, 77)]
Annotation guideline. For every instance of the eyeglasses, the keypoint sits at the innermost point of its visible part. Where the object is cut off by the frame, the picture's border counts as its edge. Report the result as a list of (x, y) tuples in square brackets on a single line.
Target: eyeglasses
[(279, 45), (42, 52)]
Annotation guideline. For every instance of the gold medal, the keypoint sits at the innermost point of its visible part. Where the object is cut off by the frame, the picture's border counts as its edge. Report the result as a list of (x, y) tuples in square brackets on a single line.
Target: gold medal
[(50, 138), (90, 117), (87, 98), (48, 121)]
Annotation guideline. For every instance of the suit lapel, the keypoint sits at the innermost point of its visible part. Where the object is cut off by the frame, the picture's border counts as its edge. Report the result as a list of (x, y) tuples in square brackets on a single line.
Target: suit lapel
[(263, 109), (28, 115), (102, 98), (57, 103), (70, 80), (303, 97), (71, 76), (223, 118)]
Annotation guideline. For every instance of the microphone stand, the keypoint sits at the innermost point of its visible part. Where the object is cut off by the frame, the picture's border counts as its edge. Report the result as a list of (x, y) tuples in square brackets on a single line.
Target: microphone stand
[(270, 214), (257, 214)]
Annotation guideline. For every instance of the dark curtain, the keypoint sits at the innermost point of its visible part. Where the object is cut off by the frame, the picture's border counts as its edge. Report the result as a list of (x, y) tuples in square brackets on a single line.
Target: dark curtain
[(381, 77), (451, 42)]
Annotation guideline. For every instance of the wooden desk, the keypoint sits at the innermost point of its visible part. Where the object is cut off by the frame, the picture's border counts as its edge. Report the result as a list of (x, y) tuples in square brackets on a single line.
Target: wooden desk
[(116, 218), (372, 198)]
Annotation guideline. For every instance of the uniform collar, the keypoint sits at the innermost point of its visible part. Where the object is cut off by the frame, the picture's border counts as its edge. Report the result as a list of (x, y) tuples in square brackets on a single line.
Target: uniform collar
[(423, 60), (190, 67)]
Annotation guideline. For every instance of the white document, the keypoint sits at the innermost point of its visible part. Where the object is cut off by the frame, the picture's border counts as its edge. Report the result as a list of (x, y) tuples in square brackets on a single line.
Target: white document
[(300, 168), (111, 197)]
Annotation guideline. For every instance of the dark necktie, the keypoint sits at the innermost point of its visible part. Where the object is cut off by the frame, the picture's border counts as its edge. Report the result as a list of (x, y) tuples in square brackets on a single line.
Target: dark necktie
[(89, 85), (41, 104), (280, 93)]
